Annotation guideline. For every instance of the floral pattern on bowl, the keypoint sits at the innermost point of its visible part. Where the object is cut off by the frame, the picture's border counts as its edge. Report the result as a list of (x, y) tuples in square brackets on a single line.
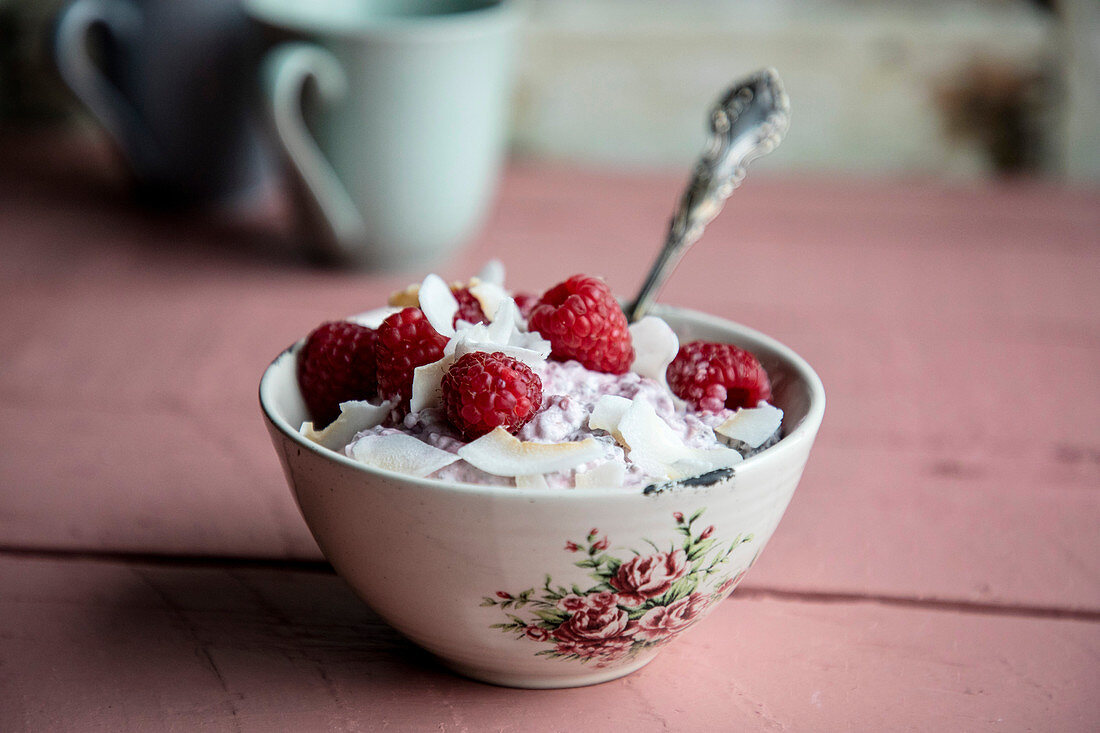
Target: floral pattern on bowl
[(635, 604)]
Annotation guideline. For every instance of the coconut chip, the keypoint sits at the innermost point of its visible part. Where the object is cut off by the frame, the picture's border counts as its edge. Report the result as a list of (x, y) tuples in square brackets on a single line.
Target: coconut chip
[(492, 273), (655, 346), (407, 298), (503, 328), (647, 436), (439, 304), (401, 453), (657, 449), (532, 481), (355, 416), (607, 413), (699, 461), (427, 383), (489, 296), (502, 454), (606, 475), (752, 426), (374, 318), (533, 359), (503, 335)]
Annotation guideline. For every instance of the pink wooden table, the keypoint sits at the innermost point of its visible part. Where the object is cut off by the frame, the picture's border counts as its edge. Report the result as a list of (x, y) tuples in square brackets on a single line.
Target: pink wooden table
[(938, 569)]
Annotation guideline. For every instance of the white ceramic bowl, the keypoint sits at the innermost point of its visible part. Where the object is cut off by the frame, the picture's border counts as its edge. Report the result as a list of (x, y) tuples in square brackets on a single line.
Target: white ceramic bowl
[(547, 588)]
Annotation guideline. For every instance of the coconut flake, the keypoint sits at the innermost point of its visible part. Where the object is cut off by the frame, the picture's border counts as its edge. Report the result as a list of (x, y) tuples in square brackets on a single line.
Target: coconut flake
[(489, 296), (355, 416), (400, 452), (407, 298), (532, 359), (427, 383), (698, 461), (658, 450), (504, 327), (492, 273), (607, 413), (502, 454), (503, 335), (606, 475), (752, 426), (532, 481), (655, 346), (646, 434), (439, 304), (527, 356), (373, 318)]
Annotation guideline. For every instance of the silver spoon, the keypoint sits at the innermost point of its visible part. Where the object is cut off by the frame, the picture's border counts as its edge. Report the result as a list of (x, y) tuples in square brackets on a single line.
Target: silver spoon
[(747, 122)]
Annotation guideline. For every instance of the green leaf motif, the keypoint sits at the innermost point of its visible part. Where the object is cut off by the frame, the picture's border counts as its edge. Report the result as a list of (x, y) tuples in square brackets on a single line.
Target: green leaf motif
[(700, 549), (552, 616)]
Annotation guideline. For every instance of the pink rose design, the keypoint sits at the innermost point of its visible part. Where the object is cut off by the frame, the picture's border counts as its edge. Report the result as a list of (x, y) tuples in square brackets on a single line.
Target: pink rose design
[(572, 603), (599, 601), (663, 621), (628, 608), (596, 632), (537, 633), (603, 600), (645, 577), (607, 650), (594, 624), (729, 585)]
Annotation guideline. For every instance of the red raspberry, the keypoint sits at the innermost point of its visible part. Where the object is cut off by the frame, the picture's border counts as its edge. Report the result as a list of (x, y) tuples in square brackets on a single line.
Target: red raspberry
[(582, 320), (711, 376), (469, 308), (336, 365), (405, 341), (482, 391)]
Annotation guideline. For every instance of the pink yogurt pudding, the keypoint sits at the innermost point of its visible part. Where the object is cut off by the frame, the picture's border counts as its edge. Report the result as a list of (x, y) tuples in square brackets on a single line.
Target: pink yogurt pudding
[(570, 393), (616, 431)]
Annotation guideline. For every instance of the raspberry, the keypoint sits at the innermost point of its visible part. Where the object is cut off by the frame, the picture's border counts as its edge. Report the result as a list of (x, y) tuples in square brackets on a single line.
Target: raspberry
[(405, 340), (711, 376), (581, 320), (469, 308), (482, 391), (336, 364)]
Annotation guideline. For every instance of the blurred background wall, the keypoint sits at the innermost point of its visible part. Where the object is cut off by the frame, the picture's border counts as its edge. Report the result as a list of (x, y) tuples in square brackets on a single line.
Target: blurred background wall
[(953, 88)]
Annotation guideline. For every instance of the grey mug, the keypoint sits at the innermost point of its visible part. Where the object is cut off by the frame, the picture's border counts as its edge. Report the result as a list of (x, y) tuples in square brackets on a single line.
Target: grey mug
[(174, 84)]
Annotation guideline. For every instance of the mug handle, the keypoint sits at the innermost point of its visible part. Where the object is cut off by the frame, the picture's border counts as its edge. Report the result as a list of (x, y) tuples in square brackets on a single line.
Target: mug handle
[(106, 102), (286, 70)]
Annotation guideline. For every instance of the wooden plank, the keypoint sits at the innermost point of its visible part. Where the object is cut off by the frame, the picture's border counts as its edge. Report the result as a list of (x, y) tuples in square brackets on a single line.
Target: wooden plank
[(93, 645)]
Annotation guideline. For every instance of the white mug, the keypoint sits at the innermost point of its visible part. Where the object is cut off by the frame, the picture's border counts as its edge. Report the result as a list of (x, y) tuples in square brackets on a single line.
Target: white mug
[(393, 115)]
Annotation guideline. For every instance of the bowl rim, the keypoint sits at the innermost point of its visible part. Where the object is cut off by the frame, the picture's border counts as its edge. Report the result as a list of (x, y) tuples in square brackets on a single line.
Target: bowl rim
[(805, 430)]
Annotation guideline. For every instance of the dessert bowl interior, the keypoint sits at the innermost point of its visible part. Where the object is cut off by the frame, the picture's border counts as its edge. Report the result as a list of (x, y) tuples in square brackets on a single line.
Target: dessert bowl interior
[(547, 587)]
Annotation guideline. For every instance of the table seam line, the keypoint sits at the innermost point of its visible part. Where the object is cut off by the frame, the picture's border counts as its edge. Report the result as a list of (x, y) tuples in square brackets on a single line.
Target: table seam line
[(745, 592)]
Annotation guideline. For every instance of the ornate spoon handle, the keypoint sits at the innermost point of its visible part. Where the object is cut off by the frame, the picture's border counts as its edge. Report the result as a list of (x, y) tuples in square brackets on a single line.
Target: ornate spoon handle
[(747, 122)]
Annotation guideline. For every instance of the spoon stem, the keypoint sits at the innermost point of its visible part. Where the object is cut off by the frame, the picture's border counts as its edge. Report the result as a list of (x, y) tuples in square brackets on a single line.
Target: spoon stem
[(747, 122)]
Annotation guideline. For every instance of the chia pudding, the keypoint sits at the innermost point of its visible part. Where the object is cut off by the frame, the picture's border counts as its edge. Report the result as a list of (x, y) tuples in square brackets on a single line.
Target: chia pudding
[(619, 426)]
